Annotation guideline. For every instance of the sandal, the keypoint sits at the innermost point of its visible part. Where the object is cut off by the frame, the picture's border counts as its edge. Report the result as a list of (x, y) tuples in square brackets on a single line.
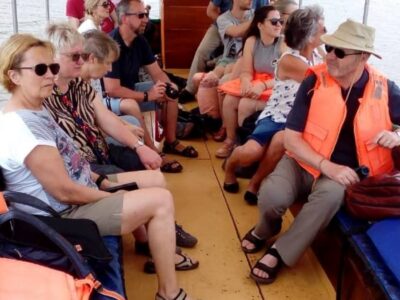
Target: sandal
[(180, 296), (170, 166), (188, 151), (258, 243), (185, 264), (271, 271)]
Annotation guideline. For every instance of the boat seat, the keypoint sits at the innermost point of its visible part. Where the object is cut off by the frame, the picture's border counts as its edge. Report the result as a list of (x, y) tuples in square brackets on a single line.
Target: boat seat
[(378, 246)]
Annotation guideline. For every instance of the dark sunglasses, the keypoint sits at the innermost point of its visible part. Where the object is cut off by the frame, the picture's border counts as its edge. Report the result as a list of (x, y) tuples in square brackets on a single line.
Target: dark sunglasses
[(339, 53), (139, 15), (41, 69), (275, 22), (105, 4), (76, 56)]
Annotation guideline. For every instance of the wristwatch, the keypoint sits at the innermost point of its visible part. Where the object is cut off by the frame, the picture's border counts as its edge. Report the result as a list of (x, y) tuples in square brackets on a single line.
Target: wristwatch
[(138, 144)]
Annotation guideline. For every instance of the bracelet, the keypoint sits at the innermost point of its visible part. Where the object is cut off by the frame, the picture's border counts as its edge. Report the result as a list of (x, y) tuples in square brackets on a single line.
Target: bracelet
[(146, 97), (100, 179)]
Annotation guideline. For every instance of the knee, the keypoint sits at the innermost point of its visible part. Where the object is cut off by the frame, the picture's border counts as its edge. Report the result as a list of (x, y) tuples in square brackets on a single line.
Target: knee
[(332, 204), (158, 179), (164, 201), (272, 201), (248, 153)]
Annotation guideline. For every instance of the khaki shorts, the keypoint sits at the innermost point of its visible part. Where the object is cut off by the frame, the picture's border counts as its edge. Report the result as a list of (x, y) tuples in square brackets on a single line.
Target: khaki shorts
[(106, 213)]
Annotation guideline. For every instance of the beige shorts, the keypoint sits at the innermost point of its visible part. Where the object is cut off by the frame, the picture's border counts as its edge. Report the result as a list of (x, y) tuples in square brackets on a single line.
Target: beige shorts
[(106, 213)]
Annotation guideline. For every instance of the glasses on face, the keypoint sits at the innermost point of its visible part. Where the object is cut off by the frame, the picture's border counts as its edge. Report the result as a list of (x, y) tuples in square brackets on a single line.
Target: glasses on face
[(275, 21), (105, 4), (339, 53), (139, 15), (41, 69), (76, 56)]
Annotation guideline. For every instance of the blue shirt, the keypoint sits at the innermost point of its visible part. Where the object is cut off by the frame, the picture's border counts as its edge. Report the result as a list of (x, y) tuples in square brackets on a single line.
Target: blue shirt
[(345, 149), (223, 5), (259, 3)]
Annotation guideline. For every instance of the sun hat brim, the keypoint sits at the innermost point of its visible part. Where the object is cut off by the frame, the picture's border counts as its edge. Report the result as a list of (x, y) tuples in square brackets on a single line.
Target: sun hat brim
[(331, 40)]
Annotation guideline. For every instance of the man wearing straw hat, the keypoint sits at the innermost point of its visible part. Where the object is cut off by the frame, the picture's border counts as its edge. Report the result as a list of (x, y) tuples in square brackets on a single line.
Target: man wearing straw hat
[(341, 119)]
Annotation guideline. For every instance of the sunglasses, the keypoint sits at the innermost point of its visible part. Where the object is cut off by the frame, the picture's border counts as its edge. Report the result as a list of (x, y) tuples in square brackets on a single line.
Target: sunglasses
[(105, 4), (76, 56), (275, 22), (139, 15), (41, 69), (339, 53)]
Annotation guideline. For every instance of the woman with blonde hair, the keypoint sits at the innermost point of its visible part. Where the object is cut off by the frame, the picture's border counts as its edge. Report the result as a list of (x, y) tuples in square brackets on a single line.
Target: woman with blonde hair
[(38, 158), (95, 12)]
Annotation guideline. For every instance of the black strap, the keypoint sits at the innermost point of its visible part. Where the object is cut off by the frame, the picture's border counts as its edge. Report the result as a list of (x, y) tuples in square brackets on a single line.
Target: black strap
[(100, 179), (25, 199)]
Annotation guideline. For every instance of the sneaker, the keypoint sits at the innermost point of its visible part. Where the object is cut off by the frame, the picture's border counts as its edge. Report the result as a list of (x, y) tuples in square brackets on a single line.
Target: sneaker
[(183, 238), (185, 97)]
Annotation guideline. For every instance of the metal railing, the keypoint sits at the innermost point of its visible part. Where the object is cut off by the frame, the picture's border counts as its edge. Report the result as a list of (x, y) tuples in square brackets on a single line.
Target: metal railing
[(14, 13)]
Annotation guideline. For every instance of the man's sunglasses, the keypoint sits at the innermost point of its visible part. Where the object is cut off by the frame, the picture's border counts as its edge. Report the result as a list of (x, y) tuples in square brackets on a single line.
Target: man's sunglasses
[(139, 15), (41, 69), (105, 4), (339, 53), (76, 56), (275, 22)]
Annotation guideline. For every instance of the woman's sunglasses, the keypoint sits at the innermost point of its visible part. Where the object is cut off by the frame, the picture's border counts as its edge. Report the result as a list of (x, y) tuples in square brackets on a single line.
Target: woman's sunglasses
[(339, 53), (76, 56), (275, 22), (105, 4), (139, 15), (41, 69)]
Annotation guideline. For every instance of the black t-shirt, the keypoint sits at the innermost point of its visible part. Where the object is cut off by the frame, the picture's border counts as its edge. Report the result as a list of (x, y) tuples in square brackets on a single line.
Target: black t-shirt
[(131, 58), (345, 149)]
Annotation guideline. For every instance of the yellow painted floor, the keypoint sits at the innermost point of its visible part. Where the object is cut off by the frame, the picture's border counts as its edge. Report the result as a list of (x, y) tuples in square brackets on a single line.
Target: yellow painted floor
[(219, 219)]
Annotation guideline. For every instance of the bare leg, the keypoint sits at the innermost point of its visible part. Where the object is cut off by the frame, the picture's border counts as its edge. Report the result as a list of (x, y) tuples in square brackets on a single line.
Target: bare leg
[(155, 207), (271, 157), (247, 107), (130, 107), (144, 179), (243, 155)]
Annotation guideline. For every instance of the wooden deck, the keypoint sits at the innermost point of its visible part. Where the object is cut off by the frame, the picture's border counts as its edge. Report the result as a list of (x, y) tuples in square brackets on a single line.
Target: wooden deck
[(219, 219)]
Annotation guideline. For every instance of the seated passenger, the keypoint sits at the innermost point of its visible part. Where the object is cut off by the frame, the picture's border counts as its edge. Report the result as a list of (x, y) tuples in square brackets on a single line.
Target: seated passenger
[(39, 158), (77, 108), (302, 36), (96, 12), (75, 11), (210, 42), (232, 26), (329, 132), (103, 51), (123, 80), (260, 52)]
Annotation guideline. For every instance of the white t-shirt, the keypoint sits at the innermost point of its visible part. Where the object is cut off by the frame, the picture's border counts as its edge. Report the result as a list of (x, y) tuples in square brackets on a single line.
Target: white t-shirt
[(87, 25), (20, 133)]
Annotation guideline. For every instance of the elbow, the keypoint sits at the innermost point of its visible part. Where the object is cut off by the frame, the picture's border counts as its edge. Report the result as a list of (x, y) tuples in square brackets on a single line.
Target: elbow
[(66, 194)]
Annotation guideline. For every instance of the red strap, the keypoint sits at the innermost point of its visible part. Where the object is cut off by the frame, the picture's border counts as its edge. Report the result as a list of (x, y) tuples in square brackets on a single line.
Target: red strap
[(3, 204)]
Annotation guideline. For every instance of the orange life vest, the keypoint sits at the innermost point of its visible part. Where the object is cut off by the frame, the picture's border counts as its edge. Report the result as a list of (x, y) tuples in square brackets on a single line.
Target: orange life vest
[(328, 112)]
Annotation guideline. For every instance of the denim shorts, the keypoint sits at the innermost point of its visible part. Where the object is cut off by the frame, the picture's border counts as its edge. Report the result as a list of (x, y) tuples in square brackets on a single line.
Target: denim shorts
[(265, 130)]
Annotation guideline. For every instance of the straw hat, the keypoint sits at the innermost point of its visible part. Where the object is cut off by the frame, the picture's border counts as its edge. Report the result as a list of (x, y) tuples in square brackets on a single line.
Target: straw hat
[(352, 35)]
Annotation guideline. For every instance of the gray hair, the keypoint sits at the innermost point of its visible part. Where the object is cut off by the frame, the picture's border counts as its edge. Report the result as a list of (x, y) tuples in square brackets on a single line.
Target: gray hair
[(302, 25), (63, 35), (281, 5), (123, 8)]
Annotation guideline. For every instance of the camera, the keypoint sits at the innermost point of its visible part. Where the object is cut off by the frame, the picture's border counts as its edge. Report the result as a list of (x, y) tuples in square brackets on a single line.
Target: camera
[(170, 91), (362, 172)]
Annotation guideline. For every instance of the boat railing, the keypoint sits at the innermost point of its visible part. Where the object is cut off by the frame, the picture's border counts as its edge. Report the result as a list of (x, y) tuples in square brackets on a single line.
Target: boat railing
[(14, 13)]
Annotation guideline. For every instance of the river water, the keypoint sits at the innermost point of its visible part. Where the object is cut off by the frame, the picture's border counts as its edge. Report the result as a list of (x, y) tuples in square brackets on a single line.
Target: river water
[(382, 16)]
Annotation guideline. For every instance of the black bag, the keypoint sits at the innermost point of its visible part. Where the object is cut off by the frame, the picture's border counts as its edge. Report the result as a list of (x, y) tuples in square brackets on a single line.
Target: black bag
[(82, 233), (247, 128)]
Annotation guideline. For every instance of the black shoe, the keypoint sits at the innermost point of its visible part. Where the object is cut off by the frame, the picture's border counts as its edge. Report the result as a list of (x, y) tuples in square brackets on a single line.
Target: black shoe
[(183, 238), (185, 97), (142, 248), (251, 198), (231, 187)]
